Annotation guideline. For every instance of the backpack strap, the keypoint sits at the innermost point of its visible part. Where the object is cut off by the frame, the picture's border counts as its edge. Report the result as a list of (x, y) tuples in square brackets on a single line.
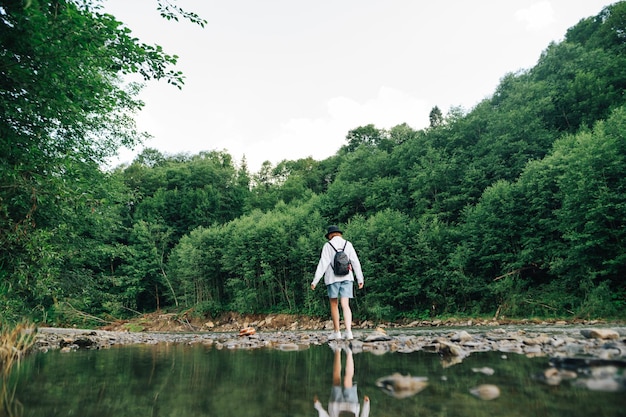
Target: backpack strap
[(344, 246)]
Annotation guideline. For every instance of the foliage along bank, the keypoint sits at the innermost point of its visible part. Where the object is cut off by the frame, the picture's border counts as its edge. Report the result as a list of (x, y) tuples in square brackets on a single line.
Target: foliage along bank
[(516, 207)]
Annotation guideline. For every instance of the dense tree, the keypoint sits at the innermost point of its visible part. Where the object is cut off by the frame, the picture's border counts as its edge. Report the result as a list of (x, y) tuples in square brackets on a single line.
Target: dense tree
[(385, 246), (364, 136), (62, 107), (591, 218), (586, 72), (513, 208), (556, 235), (185, 192), (259, 262)]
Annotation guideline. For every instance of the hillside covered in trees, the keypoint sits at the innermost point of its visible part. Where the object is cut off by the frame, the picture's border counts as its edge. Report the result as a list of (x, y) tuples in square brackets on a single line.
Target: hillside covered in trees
[(516, 207)]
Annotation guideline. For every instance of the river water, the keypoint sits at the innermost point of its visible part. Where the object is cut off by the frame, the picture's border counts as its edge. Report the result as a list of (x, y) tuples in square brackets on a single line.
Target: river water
[(194, 380)]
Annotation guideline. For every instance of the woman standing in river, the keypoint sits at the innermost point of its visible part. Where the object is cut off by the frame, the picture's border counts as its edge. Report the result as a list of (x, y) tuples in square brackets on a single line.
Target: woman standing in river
[(338, 284), (344, 399)]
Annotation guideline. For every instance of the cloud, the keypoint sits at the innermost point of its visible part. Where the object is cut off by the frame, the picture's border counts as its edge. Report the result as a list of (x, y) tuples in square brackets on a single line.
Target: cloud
[(390, 108), (537, 17), (322, 137)]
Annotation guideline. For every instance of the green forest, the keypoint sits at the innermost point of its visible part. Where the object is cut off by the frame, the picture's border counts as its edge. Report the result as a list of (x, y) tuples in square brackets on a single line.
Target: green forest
[(513, 208)]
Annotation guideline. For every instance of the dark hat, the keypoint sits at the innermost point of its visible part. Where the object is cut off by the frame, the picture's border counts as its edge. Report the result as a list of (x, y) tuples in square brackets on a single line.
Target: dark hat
[(333, 229)]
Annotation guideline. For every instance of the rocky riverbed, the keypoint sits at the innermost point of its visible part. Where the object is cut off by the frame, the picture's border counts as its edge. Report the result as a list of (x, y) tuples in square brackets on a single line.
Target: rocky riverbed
[(590, 354), (453, 340)]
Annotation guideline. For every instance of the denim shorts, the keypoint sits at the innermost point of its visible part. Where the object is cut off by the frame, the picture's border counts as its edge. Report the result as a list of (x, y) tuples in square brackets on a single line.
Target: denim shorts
[(341, 289), (344, 395)]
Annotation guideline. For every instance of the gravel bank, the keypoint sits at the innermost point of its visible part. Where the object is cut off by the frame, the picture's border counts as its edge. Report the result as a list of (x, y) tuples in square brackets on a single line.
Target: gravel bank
[(559, 341)]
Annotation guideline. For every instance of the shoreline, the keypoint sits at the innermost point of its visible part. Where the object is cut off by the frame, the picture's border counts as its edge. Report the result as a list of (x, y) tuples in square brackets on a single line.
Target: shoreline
[(600, 341)]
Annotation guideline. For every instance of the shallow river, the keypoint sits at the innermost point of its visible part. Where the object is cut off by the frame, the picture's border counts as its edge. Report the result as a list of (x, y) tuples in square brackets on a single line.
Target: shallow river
[(182, 380)]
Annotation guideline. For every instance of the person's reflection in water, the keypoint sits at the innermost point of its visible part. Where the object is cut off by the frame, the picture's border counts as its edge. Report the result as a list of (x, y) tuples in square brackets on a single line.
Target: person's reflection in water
[(344, 400)]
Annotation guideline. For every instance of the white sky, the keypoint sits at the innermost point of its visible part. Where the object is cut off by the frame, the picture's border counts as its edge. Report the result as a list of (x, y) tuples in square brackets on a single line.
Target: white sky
[(287, 79)]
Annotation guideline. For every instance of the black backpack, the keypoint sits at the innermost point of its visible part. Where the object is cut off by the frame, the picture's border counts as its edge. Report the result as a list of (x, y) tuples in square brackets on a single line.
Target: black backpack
[(341, 261)]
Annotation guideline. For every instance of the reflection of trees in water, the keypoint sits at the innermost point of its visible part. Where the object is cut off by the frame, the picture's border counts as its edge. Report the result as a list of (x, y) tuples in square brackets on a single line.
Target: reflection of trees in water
[(206, 380), (15, 342)]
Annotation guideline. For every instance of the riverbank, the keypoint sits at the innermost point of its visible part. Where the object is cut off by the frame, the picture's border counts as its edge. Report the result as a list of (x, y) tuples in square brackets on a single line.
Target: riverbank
[(453, 340), (590, 355), (233, 322), (593, 352)]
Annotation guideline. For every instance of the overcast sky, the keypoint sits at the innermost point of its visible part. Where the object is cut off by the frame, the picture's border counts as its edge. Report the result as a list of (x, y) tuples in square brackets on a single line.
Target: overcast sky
[(287, 79)]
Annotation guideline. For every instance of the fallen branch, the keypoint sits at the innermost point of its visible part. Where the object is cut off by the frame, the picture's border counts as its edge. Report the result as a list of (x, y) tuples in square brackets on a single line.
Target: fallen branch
[(517, 271), (497, 312), (546, 306), (80, 313), (132, 311)]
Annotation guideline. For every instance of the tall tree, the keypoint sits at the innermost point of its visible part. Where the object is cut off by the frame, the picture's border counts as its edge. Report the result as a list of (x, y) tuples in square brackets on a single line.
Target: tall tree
[(435, 116), (62, 105)]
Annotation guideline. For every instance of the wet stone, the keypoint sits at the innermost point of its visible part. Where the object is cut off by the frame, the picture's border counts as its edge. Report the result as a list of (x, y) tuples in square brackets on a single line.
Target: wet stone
[(486, 392), (600, 333), (402, 386), (563, 344)]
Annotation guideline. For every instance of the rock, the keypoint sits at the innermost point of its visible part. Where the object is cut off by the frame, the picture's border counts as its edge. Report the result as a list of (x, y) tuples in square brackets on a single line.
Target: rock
[(611, 351), (551, 376), (461, 336), (571, 345), (433, 348), (375, 348), (450, 349), (594, 374), (484, 370), (600, 334), (510, 348), (448, 361), (401, 386), (379, 335), (288, 347), (582, 363), (539, 340), (247, 331), (366, 325), (600, 384), (486, 392), (477, 346), (84, 342), (532, 350)]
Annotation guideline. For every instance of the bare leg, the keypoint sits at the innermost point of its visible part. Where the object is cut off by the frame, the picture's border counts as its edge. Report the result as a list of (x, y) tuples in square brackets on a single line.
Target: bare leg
[(337, 368), (347, 381), (347, 313), (334, 313)]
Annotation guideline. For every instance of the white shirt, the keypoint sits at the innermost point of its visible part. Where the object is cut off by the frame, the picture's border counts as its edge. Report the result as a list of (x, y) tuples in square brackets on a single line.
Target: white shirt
[(325, 269), (334, 411)]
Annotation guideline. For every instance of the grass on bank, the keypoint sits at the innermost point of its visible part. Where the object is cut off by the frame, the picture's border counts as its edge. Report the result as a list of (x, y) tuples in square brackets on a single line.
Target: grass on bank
[(15, 343)]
